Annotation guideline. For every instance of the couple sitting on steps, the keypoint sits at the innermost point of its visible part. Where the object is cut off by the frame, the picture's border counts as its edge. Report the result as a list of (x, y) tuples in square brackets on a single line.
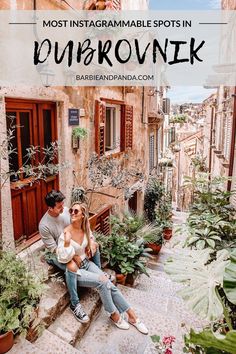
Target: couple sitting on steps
[(66, 234)]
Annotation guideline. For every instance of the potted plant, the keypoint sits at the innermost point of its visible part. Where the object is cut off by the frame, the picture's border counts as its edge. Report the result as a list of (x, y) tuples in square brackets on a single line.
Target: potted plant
[(153, 194), (9, 321), (77, 134), (166, 162), (155, 244), (20, 292), (167, 229), (123, 256), (164, 215)]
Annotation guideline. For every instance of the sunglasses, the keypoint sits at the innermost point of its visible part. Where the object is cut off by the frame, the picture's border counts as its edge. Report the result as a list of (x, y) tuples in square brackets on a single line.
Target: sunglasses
[(75, 211)]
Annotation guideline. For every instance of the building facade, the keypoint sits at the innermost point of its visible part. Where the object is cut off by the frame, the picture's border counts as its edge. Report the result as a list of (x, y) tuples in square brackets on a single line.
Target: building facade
[(123, 124)]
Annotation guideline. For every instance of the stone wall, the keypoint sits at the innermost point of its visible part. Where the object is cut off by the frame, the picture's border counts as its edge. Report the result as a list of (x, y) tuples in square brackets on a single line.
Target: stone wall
[(228, 4)]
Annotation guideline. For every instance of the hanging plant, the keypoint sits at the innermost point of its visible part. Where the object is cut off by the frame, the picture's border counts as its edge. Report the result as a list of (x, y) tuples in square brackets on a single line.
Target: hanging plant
[(79, 133), (166, 162)]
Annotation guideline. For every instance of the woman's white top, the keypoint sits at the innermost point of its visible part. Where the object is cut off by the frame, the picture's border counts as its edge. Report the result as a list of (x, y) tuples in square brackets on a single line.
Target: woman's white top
[(65, 254)]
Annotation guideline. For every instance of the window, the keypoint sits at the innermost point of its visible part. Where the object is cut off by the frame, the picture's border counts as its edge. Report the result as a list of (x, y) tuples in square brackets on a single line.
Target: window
[(30, 124), (171, 135), (112, 130), (113, 127)]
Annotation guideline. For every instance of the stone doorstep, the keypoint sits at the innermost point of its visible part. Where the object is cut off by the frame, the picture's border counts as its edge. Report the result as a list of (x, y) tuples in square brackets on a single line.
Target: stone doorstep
[(49, 343), (67, 327)]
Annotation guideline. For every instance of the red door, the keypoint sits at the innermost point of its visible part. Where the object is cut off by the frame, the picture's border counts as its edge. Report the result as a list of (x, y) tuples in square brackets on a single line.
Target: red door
[(31, 124)]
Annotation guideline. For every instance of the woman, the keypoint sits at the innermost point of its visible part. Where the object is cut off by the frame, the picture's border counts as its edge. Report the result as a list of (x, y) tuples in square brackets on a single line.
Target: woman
[(77, 240)]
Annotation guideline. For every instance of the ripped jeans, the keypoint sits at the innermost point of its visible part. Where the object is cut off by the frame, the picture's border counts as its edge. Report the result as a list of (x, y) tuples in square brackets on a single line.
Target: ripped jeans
[(92, 277)]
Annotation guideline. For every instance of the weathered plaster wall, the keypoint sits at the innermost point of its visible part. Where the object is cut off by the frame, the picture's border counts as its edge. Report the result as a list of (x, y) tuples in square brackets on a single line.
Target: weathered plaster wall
[(6, 210)]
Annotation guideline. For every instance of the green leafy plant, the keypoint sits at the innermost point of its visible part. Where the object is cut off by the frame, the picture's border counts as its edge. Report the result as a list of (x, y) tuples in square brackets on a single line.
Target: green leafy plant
[(135, 227), (208, 343), (78, 132), (204, 238), (211, 219), (229, 283), (199, 163), (20, 292), (122, 255), (202, 279), (153, 193), (178, 118), (164, 212)]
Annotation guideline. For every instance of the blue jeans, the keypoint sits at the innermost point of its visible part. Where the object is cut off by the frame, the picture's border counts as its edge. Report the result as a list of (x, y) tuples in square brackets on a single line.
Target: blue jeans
[(71, 278), (112, 299)]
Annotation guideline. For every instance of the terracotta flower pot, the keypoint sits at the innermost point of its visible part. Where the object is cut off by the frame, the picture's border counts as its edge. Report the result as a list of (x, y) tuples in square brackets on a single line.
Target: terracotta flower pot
[(130, 279), (167, 233), (6, 342), (100, 5), (155, 248), (121, 278)]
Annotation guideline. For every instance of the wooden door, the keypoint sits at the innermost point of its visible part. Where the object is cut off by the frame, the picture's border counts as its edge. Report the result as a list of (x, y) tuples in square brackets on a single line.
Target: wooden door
[(31, 124)]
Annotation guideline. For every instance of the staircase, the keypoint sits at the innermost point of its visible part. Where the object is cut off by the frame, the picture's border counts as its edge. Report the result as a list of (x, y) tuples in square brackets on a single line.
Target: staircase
[(60, 329)]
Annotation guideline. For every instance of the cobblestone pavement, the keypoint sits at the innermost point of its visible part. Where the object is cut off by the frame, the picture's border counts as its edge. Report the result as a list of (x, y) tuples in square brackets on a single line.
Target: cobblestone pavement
[(156, 302)]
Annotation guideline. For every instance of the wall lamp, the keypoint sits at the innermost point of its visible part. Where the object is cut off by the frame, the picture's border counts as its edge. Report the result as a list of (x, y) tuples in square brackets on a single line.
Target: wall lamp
[(153, 92)]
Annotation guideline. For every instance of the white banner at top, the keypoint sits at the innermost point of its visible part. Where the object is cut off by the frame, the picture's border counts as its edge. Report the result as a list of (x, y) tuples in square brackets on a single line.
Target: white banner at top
[(108, 48)]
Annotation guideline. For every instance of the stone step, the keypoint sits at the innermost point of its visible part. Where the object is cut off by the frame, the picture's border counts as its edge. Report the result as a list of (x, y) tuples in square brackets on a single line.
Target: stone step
[(55, 297), (67, 327), (49, 343), (23, 346)]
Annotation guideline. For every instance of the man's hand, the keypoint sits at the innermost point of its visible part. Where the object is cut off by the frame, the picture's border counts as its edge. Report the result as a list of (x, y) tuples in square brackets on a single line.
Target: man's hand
[(77, 260), (67, 238)]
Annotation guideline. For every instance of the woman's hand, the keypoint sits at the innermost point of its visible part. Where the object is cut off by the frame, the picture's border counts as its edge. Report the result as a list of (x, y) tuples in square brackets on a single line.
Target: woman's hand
[(94, 246), (77, 260), (67, 238)]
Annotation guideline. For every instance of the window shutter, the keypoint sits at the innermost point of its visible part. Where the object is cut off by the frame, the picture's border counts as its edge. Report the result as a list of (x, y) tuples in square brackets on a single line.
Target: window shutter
[(233, 185), (126, 127), (227, 138), (100, 118), (166, 105), (116, 4)]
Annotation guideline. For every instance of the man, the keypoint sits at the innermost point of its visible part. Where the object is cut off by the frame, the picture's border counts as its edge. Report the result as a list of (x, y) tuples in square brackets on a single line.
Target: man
[(51, 226)]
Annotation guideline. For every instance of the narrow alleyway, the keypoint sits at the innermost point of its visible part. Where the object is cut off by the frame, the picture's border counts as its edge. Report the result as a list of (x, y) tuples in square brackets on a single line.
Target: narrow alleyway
[(156, 302)]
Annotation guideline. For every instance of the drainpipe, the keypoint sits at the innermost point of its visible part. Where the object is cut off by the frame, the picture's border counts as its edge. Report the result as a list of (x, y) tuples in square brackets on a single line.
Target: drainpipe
[(233, 140), (211, 139), (143, 104), (34, 5)]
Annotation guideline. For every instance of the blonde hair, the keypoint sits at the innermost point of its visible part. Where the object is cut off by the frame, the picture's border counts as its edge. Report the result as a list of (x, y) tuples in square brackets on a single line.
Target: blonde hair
[(85, 223)]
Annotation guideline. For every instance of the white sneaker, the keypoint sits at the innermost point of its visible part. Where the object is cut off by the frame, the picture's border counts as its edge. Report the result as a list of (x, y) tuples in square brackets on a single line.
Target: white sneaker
[(122, 324), (140, 326)]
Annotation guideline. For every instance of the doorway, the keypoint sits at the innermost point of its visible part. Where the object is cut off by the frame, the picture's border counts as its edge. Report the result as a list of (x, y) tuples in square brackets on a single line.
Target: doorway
[(33, 124), (132, 203)]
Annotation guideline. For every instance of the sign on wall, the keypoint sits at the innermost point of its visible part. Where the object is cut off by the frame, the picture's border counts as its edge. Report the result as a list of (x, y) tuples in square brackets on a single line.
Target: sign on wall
[(73, 115)]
